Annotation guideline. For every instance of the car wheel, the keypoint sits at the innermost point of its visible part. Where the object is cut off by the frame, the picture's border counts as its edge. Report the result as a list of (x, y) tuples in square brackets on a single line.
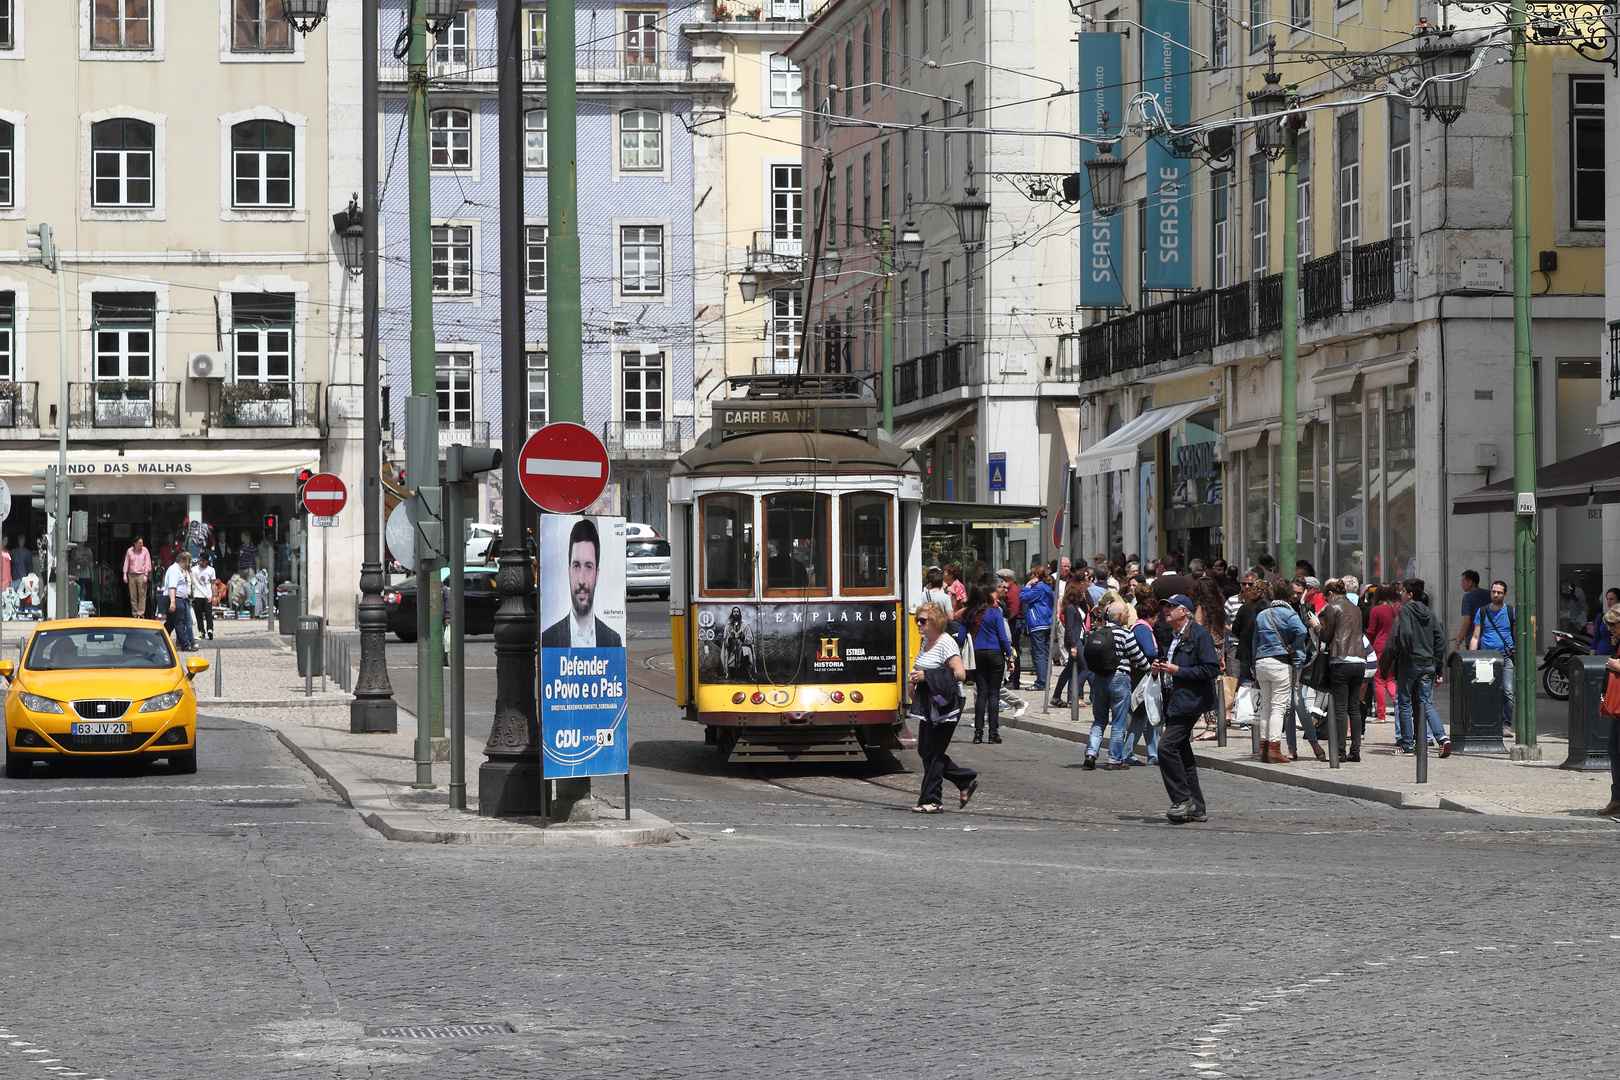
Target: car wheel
[(183, 761), (17, 765), (405, 636)]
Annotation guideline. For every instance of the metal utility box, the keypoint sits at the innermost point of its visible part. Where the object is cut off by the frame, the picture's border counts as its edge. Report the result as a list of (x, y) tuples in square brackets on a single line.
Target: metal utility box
[(1476, 702), (287, 613), (1589, 747)]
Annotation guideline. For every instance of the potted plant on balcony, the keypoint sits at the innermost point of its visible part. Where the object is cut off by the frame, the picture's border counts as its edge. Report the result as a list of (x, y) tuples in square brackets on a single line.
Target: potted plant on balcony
[(255, 404), (722, 13), (10, 403), (124, 403)]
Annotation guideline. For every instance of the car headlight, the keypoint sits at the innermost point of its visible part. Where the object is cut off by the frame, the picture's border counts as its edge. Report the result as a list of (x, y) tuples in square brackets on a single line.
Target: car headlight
[(35, 703), (163, 702)]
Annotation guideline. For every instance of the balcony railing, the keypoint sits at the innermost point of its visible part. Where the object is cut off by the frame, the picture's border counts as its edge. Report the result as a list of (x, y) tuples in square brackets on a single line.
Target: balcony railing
[(905, 382), (1268, 304), (1234, 311), (1322, 282), (132, 403), (1196, 317), (1381, 273), (604, 61), (19, 405), (776, 365), (768, 244), (463, 432), (651, 437), (935, 372), (1159, 333), (1125, 342), (265, 405)]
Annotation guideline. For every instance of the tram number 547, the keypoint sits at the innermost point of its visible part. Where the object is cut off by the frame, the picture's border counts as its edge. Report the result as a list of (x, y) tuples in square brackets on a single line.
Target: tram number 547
[(573, 738)]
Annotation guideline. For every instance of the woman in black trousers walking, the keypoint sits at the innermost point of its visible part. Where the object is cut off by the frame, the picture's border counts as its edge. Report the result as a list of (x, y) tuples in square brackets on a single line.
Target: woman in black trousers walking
[(936, 705)]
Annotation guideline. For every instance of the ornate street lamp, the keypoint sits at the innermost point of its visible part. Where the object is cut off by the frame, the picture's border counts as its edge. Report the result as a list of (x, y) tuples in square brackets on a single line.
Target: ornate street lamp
[(748, 285), (908, 249), (1267, 104), (440, 14), (1444, 65), (1107, 176), (305, 15), (831, 264), (350, 228), (972, 213)]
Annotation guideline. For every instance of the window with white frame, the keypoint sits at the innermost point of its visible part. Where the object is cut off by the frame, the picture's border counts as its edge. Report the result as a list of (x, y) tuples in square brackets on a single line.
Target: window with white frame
[(8, 330), (452, 260), (641, 44), (1220, 217), (535, 259), (787, 83), (123, 326), (641, 140), (452, 49), (1349, 180), (260, 26), (643, 397), (1220, 34), (1400, 169), (8, 34), (121, 24), (922, 29), (261, 165), (1303, 157), (453, 376), (1259, 216), (944, 19), (787, 207), (262, 336), (641, 260), (787, 330), (1299, 14), (1259, 15), (8, 144), (121, 163), (450, 138), (539, 389), (534, 43), (534, 140), (1586, 149)]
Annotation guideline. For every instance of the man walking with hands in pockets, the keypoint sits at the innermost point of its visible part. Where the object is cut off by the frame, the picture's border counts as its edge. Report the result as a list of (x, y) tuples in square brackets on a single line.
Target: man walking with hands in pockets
[(1189, 670)]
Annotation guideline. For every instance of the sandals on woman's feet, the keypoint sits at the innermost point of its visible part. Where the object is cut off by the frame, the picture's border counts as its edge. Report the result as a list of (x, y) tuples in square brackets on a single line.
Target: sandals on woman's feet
[(967, 793), (931, 808), (1207, 735)]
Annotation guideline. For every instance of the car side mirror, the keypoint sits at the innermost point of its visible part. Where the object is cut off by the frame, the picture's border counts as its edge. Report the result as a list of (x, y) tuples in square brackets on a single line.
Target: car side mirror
[(195, 666), (7, 668)]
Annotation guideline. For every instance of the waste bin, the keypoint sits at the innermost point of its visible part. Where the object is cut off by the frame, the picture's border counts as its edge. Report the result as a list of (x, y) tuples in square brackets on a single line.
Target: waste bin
[(1588, 732), (310, 645), (287, 613), (1476, 702)]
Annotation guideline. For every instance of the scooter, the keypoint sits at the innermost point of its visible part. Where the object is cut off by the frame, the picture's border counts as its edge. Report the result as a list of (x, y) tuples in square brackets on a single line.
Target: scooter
[(1554, 675)]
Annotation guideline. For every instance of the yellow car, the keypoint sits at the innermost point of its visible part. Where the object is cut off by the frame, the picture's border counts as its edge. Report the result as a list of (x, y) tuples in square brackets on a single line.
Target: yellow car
[(99, 689)]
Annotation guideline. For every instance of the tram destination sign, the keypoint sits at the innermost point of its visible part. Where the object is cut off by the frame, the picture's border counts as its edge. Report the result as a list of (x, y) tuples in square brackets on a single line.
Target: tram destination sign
[(735, 417)]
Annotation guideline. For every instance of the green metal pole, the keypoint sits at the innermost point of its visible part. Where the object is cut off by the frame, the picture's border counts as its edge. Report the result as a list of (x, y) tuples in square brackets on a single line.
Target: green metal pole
[(429, 630), (1524, 417), (1288, 457), (563, 333), (886, 255)]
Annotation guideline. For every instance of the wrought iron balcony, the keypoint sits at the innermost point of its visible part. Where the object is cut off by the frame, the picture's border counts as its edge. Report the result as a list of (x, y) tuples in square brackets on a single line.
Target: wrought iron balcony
[(1196, 322), (265, 405), (129, 403), (19, 405), (463, 433), (905, 382), (1159, 333), (776, 365), (1234, 312), (1322, 282), (771, 245), (1381, 273), (1268, 304), (647, 438)]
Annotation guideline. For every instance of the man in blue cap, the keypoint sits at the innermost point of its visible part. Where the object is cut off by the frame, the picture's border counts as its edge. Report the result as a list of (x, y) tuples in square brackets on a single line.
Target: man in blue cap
[(1189, 670)]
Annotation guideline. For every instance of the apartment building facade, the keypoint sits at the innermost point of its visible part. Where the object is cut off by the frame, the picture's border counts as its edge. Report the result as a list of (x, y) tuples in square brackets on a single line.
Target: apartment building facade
[(182, 154)]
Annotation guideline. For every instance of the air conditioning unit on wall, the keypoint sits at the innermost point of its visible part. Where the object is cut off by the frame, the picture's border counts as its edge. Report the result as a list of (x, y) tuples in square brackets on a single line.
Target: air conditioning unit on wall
[(204, 365)]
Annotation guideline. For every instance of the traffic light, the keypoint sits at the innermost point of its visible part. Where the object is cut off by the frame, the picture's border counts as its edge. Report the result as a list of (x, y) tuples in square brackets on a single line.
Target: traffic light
[(42, 241), (45, 490), (303, 478), (272, 526), (465, 462)]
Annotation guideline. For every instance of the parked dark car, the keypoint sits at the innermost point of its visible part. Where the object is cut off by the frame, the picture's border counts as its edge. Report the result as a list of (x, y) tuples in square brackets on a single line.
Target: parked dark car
[(482, 601)]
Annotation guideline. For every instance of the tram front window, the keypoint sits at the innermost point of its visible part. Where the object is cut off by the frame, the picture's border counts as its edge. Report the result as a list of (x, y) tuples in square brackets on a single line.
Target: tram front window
[(728, 544), (865, 546), (796, 543)]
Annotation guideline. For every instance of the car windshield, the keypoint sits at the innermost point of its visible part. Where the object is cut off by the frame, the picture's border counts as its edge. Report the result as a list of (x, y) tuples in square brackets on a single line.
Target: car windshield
[(646, 549), (88, 648)]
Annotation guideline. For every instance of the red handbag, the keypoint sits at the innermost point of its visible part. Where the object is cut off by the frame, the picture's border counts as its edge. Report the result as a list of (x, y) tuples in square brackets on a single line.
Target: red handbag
[(1611, 698)]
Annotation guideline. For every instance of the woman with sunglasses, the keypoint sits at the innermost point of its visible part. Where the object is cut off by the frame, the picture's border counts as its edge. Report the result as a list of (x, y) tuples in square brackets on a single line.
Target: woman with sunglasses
[(936, 705)]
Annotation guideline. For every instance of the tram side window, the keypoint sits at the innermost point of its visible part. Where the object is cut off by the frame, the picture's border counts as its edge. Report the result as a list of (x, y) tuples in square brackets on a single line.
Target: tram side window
[(728, 544), (865, 543), (796, 543)]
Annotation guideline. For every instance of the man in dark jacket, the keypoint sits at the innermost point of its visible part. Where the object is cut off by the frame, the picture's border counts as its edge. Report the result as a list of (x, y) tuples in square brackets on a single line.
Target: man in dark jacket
[(1189, 671), (1169, 582), (1414, 650)]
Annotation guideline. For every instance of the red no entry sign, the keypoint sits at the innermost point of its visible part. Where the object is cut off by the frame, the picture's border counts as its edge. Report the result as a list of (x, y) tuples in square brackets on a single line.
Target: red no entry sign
[(564, 468), (325, 494)]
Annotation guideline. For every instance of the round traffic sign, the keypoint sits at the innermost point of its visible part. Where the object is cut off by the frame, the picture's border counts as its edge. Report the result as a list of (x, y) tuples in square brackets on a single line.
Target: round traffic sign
[(5, 501), (563, 468), (400, 533), (325, 494)]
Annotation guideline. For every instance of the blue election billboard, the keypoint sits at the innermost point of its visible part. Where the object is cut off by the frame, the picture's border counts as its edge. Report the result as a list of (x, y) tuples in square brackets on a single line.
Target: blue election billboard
[(1102, 112), (584, 693)]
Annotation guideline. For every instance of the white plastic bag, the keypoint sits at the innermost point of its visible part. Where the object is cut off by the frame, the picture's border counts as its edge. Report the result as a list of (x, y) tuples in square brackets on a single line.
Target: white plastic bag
[(1246, 706), (1153, 702)]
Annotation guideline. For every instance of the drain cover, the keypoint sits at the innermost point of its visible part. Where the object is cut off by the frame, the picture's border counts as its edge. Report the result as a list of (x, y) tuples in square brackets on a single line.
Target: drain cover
[(440, 1031)]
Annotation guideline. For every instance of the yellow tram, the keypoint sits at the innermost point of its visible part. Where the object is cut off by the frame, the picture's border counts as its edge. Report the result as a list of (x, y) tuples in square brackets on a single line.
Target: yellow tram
[(796, 537)]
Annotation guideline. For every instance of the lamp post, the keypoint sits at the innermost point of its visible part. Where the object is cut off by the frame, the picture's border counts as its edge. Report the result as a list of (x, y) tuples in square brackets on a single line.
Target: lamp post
[(1524, 414)]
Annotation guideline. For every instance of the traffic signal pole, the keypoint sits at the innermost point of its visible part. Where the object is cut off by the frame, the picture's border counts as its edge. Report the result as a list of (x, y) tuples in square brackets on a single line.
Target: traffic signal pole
[(44, 243), (1525, 519)]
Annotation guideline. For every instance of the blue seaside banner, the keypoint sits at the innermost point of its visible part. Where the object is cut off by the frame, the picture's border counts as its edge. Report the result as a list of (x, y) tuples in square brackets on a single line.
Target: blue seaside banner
[(1166, 66), (1100, 94), (582, 712)]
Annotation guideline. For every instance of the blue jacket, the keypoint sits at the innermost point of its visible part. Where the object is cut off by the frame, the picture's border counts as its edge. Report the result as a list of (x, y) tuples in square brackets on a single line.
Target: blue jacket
[(1192, 689), (1038, 600), (1275, 628), (991, 634)]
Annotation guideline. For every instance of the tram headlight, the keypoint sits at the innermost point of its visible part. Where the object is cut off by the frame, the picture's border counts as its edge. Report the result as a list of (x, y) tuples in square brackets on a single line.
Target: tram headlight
[(757, 698), (738, 698), (838, 697), (856, 697)]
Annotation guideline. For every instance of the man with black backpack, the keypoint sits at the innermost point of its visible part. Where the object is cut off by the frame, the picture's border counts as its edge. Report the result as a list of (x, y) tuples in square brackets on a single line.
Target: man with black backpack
[(1111, 652), (1414, 650), (1494, 625)]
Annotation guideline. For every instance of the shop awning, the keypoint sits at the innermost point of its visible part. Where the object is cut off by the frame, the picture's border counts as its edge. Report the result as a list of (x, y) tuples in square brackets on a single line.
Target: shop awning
[(139, 460), (913, 435), (1589, 479), (1118, 451)]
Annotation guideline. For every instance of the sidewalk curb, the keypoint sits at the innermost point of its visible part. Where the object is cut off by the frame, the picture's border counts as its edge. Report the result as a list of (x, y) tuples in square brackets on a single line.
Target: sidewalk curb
[(369, 798), (277, 703)]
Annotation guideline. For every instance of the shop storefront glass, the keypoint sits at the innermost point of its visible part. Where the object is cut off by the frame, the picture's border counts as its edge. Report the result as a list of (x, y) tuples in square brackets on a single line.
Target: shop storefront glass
[(1191, 478), (1349, 499)]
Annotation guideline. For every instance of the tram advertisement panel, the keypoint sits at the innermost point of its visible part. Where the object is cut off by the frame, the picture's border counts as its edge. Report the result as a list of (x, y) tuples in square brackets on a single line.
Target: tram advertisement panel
[(583, 689), (834, 641)]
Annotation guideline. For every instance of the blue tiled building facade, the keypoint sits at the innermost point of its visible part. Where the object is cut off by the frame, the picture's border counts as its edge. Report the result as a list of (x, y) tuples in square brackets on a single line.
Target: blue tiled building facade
[(635, 101)]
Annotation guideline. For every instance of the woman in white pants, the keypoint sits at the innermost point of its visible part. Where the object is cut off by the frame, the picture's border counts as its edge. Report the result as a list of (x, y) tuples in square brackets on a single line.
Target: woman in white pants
[(1278, 636)]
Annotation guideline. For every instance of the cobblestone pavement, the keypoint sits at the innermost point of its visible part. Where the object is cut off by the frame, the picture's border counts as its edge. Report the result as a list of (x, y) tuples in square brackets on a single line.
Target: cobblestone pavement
[(242, 923)]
